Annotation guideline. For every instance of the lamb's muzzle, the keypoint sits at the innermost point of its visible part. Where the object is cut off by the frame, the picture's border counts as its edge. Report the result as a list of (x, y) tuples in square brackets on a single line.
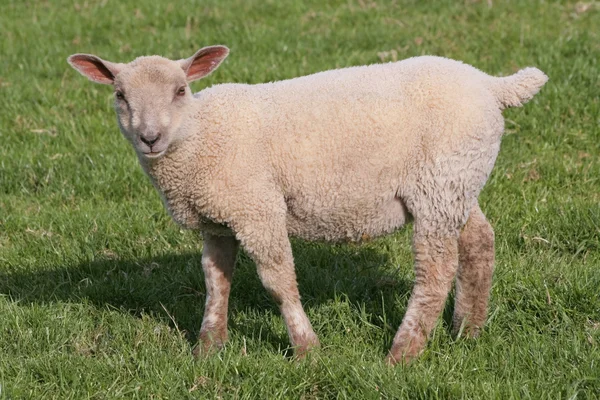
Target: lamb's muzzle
[(340, 155)]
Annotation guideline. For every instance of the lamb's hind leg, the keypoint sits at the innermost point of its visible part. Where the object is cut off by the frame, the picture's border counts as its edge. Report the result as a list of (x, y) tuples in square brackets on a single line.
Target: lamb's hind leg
[(218, 259), (436, 261), (474, 279)]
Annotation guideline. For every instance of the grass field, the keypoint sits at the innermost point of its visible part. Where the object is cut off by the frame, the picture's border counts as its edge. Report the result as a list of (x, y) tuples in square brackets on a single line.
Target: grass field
[(101, 294)]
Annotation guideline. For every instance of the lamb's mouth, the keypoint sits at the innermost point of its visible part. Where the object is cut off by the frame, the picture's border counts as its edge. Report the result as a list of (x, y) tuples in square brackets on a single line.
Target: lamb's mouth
[(153, 154)]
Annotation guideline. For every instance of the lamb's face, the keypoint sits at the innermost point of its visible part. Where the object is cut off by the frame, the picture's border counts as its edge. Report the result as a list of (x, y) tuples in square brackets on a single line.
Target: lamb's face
[(151, 93), (151, 97)]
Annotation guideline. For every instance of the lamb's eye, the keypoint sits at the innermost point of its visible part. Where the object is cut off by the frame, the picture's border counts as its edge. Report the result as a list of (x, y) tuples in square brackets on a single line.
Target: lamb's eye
[(119, 95), (181, 91)]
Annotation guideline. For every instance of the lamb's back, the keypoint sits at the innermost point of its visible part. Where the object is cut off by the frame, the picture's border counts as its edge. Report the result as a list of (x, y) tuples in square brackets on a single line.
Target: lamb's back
[(341, 144)]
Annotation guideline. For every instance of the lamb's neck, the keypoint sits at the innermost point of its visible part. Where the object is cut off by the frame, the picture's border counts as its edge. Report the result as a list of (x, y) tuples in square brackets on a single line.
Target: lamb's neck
[(191, 160), (167, 172)]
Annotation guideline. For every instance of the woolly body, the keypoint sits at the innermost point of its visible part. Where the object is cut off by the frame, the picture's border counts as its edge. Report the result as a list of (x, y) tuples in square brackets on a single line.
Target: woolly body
[(341, 153)]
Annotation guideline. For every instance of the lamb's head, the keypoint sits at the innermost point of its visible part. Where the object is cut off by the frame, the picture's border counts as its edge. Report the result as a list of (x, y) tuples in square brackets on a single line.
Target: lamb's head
[(151, 93)]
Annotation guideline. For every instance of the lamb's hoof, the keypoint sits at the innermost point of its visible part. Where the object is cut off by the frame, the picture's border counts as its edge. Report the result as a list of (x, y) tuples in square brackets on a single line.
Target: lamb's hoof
[(202, 350), (404, 359), (393, 360), (208, 344), (469, 331), (405, 352), (301, 350)]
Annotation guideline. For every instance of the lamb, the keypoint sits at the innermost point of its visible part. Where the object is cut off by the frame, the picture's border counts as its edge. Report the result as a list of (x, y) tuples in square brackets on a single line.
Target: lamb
[(340, 155)]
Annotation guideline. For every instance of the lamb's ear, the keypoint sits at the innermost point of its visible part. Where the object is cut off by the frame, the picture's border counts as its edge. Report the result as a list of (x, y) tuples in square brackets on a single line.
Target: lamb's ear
[(94, 68), (205, 61)]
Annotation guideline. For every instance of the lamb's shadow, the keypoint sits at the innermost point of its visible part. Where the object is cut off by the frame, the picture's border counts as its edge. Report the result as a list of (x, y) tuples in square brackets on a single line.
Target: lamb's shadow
[(171, 287)]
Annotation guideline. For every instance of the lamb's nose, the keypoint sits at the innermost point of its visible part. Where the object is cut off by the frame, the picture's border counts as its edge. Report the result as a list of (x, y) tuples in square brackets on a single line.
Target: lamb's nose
[(150, 138)]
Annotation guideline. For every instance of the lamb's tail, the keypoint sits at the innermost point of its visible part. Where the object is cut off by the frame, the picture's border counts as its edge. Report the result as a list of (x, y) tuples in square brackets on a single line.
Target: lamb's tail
[(516, 90)]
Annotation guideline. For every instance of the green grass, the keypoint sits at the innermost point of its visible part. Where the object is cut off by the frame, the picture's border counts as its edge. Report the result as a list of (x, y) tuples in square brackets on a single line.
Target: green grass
[(101, 294)]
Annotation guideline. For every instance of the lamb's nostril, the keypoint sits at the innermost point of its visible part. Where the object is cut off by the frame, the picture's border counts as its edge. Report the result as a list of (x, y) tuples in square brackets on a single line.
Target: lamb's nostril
[(150, 139)]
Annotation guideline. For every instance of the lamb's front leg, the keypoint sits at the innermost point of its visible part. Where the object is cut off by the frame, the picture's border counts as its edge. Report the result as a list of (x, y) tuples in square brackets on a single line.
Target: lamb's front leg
[(266, 241), (436, 261), (279, 278), (218, 259)]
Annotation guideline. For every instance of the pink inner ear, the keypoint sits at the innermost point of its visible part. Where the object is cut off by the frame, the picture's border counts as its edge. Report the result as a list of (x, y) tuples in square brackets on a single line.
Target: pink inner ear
[(93, 68), (205, 62)]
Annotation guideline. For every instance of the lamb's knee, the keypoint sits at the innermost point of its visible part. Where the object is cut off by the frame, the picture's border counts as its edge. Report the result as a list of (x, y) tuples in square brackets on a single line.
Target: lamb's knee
[(277, 274), (281, 285), (476, 241)]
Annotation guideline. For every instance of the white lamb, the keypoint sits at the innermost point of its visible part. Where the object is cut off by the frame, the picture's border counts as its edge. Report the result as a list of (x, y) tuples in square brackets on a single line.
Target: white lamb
[(339, 155)]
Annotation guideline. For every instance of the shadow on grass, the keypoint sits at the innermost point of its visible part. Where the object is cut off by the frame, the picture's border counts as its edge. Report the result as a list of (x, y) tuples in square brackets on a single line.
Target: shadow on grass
[(171, 287)]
